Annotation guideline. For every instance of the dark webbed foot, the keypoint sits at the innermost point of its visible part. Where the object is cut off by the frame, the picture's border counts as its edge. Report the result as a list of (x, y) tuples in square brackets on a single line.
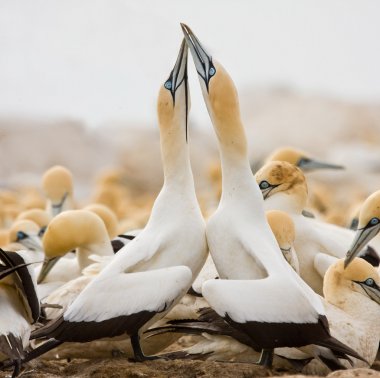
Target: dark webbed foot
[(139, 355), (266, 358)]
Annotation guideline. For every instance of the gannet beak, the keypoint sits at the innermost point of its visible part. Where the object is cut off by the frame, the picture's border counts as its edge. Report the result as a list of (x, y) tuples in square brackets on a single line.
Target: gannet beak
[(362, 237), (309, 164), (46, 268), (372, 291), (32, 242), (57, 207), (202, 60)]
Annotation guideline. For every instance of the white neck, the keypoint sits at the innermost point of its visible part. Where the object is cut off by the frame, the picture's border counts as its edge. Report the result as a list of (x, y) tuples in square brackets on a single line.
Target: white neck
[(283, 201), (103, 248)]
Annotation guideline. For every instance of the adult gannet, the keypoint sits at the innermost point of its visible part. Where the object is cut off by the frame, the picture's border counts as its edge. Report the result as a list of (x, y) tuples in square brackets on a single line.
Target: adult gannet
[(284, 187), (57, 183), (38, 216), (19, 306), (300, 159), (26, 233), (259, 293), (107, 215), (368, 225), (149, 275), (80, 229)]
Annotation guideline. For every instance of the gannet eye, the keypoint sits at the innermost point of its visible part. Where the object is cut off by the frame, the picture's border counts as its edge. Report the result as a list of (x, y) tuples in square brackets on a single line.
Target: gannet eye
[(369, 282), (264, 185), (303, 161), (21, 235), (374, 221), (42, 231), (168, 85), (212, 71)]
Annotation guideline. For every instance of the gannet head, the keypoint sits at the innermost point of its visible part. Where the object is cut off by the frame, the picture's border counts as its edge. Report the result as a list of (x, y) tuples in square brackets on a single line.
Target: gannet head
[(283, 229), (301, 159), (282, 177), (39, 216), (26, 232), (359, 276), (368, 226), (173, 103), (107, 215), (219, 91), (67, 231), (57, 183)]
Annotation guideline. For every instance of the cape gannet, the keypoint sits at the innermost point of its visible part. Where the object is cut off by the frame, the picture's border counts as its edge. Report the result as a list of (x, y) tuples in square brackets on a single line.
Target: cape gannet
[(284, 187), (19, 306), (57, 183), (149, 275), (368, 225), (38, 216), (300, 159), (73, 229), (107, 215), (26, 233), (259, 293)]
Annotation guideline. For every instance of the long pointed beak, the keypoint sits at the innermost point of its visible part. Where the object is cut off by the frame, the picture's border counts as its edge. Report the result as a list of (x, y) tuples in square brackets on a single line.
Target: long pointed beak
[(46, 268), (202, 60), (56, 208), (310, 164), (372, 292), (32, 242), (362, 237)]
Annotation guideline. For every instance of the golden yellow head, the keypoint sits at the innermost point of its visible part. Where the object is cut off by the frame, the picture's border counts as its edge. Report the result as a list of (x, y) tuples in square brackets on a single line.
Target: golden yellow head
[(57, 182), (108, 217), (282, 227), (280, 176), (71, 229), (370, 210), (289, 154), (39, 216), (22, 228), (359, 276)]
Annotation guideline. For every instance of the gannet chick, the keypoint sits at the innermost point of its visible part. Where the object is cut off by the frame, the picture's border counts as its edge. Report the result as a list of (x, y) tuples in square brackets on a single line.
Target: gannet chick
[(57, 183), (26, 233), (284, 187), (283, 229), (368, 226), (19, 307), (107, 215), (38, 216), (300, 159), (150, 274), (258, 293), (81, 229)]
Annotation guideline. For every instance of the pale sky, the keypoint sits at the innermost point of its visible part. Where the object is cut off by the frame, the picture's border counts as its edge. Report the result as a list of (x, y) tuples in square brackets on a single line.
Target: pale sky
[(101, 60)]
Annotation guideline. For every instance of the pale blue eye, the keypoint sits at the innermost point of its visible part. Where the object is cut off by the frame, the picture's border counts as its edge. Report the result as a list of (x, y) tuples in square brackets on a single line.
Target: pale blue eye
[(211, 71), (21, 235), (264, 185), (374, 221), (168, 85), (369, 282)]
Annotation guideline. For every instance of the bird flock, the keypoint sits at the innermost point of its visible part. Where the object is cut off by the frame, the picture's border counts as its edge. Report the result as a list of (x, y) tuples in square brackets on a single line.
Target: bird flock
[(263, 279)]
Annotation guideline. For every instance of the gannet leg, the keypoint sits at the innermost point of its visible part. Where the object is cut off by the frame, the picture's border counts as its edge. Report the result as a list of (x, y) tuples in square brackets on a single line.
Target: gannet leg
[(139, 354), (17, 368), (266, 358)]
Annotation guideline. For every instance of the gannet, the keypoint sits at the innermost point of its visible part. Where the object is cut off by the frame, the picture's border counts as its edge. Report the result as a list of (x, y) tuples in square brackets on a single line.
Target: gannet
[(19, 306), (150, 274), (368, 225), (38, 216), (284, 187), (80, 229), (107, 215), (26, 233), (259, 293), (300, 159), (57, 183)]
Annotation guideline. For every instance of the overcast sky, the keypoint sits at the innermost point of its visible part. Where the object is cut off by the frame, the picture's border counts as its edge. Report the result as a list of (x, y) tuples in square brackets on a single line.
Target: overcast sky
[(101, 60)]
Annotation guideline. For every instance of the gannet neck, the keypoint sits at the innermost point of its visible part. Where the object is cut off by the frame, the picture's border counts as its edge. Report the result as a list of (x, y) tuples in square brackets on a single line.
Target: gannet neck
[(83, 253), (291, 203)]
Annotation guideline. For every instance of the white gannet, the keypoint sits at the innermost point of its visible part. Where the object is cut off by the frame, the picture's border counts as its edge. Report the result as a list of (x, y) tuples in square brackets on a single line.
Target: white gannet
[(57, 184), (82, 230), (300, 159), (368, 225), (259, 293), (284, 187), (19, 305), (148, 276)]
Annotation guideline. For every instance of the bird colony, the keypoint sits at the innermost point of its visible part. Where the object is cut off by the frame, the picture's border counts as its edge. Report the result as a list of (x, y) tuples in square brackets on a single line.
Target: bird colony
[(261, 278)]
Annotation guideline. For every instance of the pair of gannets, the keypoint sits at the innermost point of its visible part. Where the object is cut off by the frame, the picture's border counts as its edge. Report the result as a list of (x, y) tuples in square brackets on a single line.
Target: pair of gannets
[(284, 187), (258, 293), (150, 274), (19, 305)]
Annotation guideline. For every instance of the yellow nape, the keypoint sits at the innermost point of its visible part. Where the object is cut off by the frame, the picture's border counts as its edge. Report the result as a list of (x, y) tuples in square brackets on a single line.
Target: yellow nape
[(337, 276), (57, 182), (38, 216), (25, 225), (282, 227), (71, 229), (370, 209), (107, 215), (289, 154)]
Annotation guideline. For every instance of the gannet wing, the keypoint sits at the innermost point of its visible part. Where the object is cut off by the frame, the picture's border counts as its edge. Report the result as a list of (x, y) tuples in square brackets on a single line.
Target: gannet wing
[(114, 304), (322, 262)]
